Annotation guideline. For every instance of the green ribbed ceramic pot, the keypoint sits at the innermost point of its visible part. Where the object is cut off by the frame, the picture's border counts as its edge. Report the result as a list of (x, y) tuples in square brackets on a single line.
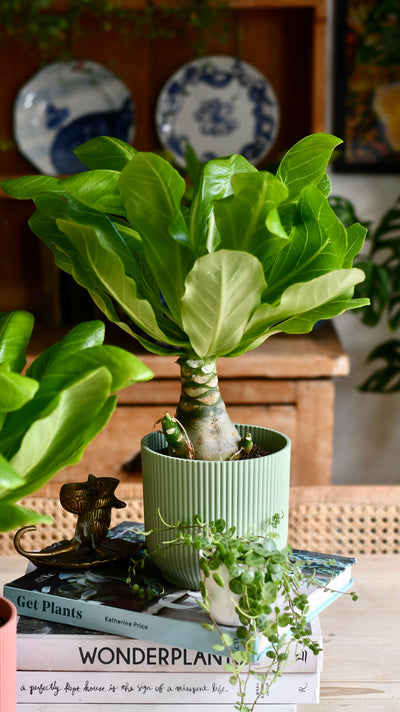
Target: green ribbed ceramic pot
[(246, 493)]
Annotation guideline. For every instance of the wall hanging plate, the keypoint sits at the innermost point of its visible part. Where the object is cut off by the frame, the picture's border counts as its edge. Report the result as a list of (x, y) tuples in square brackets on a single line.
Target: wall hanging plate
[(218, 105), (65, 104)]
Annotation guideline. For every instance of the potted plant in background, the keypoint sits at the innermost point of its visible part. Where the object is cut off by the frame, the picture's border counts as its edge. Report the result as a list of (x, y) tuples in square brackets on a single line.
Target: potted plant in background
[(379, 261), (48, 415), (253, 254), (382, 285)]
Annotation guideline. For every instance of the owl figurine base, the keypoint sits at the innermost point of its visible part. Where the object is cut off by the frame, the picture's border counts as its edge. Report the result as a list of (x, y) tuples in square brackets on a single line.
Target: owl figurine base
[(92, 502)]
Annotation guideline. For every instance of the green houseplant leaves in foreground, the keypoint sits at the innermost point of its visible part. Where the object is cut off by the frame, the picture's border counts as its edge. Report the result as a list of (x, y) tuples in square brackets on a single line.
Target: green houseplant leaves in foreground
[(51, 412), (253, 255)]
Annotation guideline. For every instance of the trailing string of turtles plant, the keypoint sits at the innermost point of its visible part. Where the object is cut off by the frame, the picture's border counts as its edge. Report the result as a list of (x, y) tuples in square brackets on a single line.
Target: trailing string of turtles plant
[(251, 588), (255, 254)]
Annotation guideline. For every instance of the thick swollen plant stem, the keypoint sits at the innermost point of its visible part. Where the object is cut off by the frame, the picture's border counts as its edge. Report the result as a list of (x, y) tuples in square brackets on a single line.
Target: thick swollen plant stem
[(202, 413)]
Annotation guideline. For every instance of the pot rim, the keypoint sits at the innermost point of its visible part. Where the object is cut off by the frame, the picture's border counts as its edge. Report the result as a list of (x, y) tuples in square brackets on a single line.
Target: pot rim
[(287, 444), (8, 610)]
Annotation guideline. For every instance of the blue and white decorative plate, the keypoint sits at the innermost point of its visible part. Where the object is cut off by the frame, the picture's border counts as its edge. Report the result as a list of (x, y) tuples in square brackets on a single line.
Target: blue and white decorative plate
[(65, 104), (218, 105)]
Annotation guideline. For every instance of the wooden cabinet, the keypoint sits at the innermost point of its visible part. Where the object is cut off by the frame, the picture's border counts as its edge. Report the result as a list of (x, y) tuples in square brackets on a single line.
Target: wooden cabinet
[(287, 384), (284, 39)]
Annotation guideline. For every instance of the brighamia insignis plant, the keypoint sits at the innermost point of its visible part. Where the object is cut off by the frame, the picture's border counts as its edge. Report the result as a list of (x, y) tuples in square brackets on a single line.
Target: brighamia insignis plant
[(51, 412), (254, 254)]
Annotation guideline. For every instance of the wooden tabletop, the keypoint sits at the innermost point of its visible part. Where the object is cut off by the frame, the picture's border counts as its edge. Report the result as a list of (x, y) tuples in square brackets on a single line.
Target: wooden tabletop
[(362, 643), (361, 639)]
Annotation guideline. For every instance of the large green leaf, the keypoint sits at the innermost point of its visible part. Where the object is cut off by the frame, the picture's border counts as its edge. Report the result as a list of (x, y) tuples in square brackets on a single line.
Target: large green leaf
[(123, 243), (213, 184), (59, 438), (15, 332), (107, 275), (43, 223), (131, 237), (14, 516), (163, 348), (15, 389), (318, 244), (215, 316), (94, 251), (152, 191), (306, 162), (82, 336), (303, 297), (48, 422), (356, 235), (300, 324), (248, 220), (301, 306), (9, 479), (106, 236), (72, 261), (97, 189), (303, 323), (125, 368), (105, 152), (30, 186), (61, 366), (66, 255), (50, 210)]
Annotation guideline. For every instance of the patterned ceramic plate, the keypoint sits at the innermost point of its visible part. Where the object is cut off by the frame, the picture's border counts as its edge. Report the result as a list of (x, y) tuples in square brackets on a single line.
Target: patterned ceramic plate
[(219, 105), (65, 104)]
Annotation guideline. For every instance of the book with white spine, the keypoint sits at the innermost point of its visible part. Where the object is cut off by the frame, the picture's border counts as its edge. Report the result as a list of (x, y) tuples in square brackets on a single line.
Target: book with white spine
[(77, 688), (53, 707), (65, 647)]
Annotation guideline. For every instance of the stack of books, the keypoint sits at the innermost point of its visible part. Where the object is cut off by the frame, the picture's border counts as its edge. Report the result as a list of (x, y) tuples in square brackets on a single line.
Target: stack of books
[(62, 666), (83, 638)]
